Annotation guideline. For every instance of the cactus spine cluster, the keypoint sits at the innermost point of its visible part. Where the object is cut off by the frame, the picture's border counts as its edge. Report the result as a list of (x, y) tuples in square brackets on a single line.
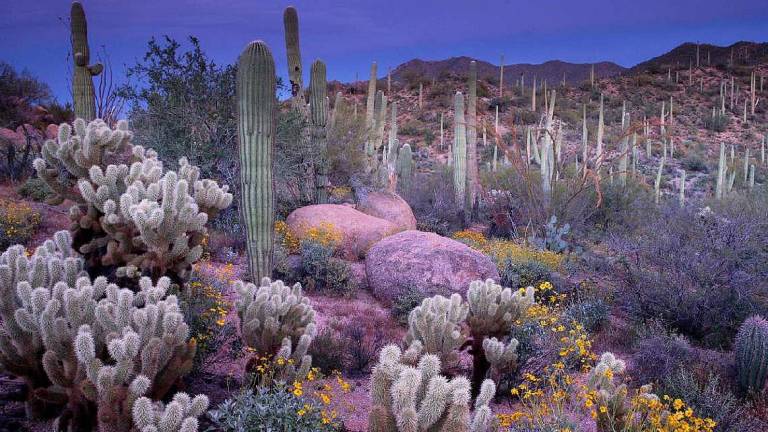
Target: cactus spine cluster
[(82, 73), (459, 151), (751, 349), (409, 394), (277, 321), (256, 107), (318, 97)]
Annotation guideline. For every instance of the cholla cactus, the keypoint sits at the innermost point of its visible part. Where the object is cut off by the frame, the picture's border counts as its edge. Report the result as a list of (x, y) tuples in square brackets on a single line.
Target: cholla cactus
[(26, 285), (277, 320), (131, 217), (436, 325), (180, 415), (610, 396), (493, 309), (99, 346), (751, 349), (413, 399), (502, 357)]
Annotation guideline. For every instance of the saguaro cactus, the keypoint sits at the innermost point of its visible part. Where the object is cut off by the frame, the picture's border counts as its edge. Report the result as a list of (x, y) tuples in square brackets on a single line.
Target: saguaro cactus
[(751, 349), (318, 94), (83, 73), (295, 71), (405, 168), (472, 172), (459, 151), (256, 104)]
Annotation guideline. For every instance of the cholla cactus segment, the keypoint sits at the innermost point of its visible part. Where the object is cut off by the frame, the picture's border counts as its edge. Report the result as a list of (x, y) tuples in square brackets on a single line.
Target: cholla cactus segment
[(493, 309), (609, 394), (415, 399), (179, 415), (133, 217), (502, 357), (436, 325), (277, 320), (751, 349)]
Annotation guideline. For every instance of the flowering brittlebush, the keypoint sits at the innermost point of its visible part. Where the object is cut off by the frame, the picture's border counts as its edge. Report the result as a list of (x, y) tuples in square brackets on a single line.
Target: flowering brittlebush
[(502, 250)]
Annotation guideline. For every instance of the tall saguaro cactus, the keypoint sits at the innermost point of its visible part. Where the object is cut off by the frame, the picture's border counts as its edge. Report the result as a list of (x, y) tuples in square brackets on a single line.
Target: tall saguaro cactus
[(256, 107), (291, 24), (472, 172), (318, 95), (459, 150), (83, 73)]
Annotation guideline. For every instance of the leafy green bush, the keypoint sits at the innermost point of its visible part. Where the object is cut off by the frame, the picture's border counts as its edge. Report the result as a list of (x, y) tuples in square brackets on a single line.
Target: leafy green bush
[(522, 274), (322, 271), (589, 312), (404, 304), (35, 189), (268, 409)]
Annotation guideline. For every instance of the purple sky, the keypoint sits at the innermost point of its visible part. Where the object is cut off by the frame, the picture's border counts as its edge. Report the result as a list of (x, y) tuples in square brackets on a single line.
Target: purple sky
[(349, 34)]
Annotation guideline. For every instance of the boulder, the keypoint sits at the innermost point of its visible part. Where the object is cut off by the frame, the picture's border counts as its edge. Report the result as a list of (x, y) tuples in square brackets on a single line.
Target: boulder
[(429, 263), (358, 231), (390, 207)]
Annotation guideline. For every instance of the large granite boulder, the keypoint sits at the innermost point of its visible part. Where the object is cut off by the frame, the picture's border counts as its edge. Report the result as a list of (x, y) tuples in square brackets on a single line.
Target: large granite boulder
[(390, 207), (425, 262), (358, 231)]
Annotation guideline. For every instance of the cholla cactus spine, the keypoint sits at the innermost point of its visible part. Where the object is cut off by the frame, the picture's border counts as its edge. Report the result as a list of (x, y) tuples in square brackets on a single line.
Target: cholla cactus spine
[(436, 324), (751, 349), (256, 130), (82, 73)]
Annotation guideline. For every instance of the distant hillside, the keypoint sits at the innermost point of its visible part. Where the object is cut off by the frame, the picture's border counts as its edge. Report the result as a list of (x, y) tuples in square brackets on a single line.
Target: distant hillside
[(552, 71), (744, 54)]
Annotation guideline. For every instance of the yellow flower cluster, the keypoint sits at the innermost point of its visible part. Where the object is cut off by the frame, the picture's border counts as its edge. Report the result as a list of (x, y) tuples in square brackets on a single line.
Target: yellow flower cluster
[(502, 250), (324, 233), (340, 192), (325, 395), (18, 221), (544, 400), (217, 307)]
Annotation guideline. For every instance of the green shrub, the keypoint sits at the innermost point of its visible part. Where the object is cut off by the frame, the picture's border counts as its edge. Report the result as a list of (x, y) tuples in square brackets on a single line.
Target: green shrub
[(589, 312), (323, 272), (18, 223), (404, 304), (35, 189), (327, 351), (268, 409), (522, 274)]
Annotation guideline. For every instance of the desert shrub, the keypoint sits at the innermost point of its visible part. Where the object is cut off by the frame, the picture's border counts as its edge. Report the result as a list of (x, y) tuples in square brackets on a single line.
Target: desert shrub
[(502, 251), (700, 273), (269, 409), (412, 128), (35, 189), (404, 304), (345, 156), (431, 198), (716, 123), (658, 356), (327, 351), (589, 308), (362, 347), (516, 274), (710, 398), (18, 223), (205, 309), (695, 162), (623, 209), (320, 269)]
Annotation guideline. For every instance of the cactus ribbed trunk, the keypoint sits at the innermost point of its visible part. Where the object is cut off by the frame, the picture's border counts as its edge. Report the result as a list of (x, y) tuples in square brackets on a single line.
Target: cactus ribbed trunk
[(83, 94), (256, 110), (295, 71), (318, 94), (472, 171), (459, 151)]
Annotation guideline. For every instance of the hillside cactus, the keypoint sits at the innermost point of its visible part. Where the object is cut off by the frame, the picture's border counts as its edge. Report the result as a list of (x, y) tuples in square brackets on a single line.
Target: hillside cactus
[(405, 167), (82, 73), (459, 151), (256, 114), (414, 397), (471, 119), (751, 349), (318, 106), (277, 321)]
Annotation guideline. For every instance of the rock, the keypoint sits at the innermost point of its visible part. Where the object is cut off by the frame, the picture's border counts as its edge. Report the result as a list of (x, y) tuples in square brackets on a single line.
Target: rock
[(390, 207), (429, 263), (358, 230)]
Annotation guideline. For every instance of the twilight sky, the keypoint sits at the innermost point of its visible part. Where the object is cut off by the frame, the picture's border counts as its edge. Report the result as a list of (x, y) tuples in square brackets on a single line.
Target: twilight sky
[(349, 34)]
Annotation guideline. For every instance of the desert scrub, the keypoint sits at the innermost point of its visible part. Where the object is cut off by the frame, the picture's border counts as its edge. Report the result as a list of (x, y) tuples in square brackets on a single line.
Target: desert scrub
[(35, 189), (502, 251), (205, 310), (18, 222), (522, 274), (404, 304), (321, 270)]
